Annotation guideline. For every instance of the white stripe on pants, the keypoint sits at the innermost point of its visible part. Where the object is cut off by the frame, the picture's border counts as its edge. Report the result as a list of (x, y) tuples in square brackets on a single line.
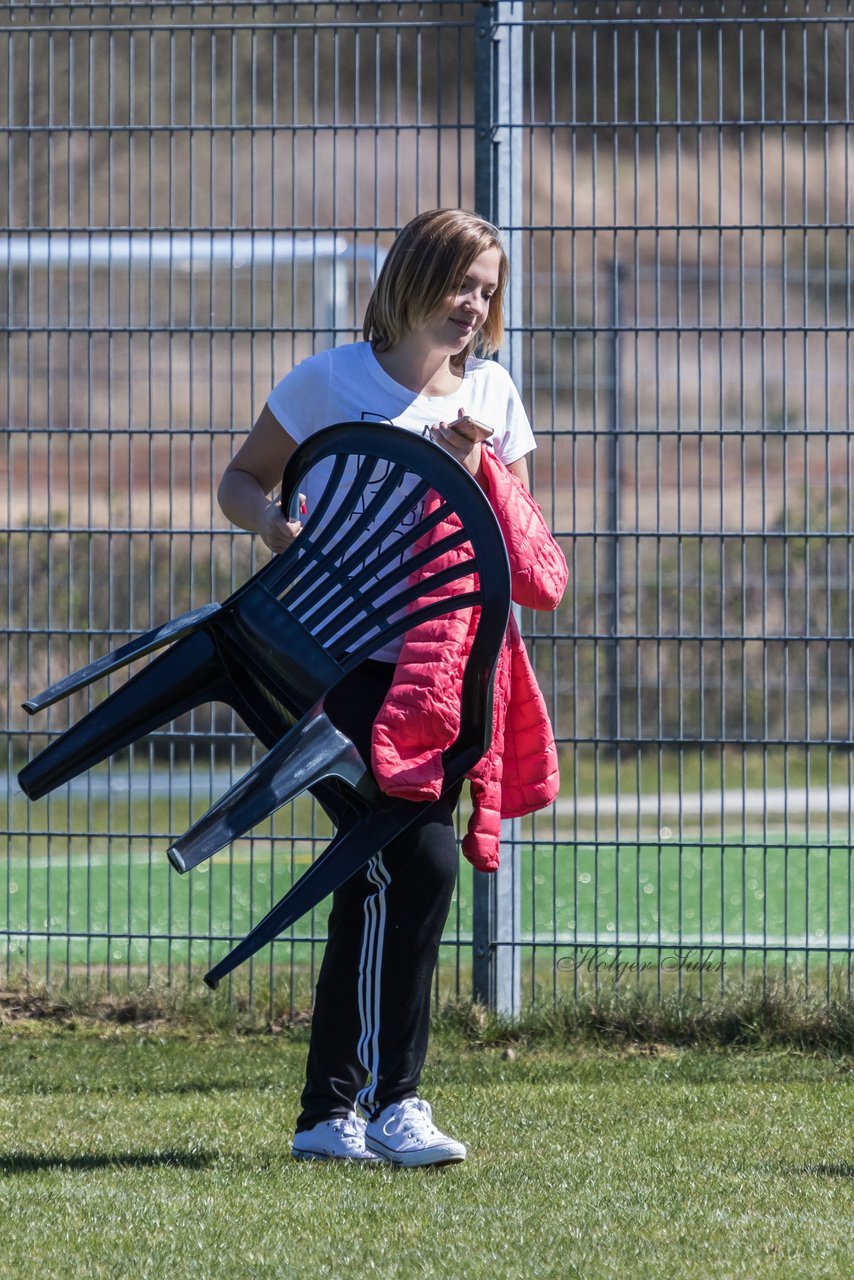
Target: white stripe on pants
[(370, 979)]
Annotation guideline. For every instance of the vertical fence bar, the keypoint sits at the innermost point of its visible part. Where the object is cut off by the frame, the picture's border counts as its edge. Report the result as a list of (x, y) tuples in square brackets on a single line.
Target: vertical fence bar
[(499, 67), (613, 483), (484, 201)]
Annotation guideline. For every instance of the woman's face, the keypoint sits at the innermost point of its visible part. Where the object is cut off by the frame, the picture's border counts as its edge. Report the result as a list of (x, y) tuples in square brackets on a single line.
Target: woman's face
[(468, 305)]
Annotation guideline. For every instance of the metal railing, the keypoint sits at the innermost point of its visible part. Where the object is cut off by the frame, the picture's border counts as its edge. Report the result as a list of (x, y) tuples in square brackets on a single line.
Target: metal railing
[(196, 196)]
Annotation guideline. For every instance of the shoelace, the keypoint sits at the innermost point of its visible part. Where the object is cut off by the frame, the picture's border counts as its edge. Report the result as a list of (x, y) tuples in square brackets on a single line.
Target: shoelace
[(416, 1116), (350, 1126)]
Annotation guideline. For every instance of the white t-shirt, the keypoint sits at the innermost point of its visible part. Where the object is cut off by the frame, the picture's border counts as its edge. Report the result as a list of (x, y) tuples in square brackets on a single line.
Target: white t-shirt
[(347, 384)]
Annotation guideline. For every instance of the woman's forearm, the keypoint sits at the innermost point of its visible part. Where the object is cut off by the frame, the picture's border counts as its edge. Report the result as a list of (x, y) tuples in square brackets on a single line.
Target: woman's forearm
[(242, 499)]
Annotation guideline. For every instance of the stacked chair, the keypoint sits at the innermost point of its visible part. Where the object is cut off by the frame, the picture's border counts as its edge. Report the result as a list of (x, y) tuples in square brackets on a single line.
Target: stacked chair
[(273, 650)]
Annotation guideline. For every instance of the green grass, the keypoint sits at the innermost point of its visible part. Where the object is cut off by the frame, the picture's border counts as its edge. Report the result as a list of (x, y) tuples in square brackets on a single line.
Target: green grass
[(584, 770), (150, 1151), (74, 898), (125, 897)]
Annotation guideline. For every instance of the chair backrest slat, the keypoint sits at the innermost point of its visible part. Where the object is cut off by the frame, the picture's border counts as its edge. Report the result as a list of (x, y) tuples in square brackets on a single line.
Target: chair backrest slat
[(350, 658), (316, 534), (344, 577), (396, 551), (281, 572), (359, 526), (364, 592), (341, 561), (384, 612)]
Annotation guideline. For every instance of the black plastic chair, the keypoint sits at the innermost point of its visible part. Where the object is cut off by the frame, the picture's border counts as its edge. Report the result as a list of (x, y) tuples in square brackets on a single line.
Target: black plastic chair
[(274, 649)]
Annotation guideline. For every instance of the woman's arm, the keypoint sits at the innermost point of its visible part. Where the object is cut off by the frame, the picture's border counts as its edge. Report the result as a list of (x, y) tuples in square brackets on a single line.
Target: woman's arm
[(519, 468), (250, 478)]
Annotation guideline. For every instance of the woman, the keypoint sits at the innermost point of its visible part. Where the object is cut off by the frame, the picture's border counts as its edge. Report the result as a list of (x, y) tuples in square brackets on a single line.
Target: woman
[(437, 301)]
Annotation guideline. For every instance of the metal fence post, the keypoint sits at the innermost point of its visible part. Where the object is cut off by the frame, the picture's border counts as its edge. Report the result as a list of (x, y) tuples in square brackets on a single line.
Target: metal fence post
[(613, 560), (496, 967)]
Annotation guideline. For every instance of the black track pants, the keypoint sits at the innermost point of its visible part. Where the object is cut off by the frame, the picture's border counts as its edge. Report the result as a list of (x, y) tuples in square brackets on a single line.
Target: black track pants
[(372, 1005)]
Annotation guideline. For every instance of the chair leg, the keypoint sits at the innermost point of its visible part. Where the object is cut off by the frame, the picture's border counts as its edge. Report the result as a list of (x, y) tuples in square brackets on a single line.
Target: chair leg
[(313, 749), (187, 675), (348, 852), (168, 633)]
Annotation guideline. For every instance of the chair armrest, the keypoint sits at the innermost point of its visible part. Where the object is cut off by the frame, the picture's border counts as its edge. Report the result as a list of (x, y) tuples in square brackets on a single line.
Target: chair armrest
[(117, 658)]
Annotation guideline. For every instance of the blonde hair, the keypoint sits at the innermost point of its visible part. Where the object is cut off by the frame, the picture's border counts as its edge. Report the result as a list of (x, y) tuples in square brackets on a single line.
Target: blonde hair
[(423, 268)]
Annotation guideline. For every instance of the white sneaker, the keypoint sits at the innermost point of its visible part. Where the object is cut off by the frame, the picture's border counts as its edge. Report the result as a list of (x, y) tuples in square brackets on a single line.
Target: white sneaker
[(404, 1133), (341, 1138)]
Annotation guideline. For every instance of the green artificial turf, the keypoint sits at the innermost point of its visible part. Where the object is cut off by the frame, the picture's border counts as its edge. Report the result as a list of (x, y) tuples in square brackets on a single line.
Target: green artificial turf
[(85, 904), (85, 888), (154, 1151)]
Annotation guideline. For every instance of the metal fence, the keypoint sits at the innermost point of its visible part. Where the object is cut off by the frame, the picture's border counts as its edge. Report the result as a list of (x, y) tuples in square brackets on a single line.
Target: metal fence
[(197, 196)]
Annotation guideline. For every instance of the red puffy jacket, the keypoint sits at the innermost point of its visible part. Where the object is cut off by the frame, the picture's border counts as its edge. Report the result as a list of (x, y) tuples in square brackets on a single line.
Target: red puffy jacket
[(420, 716)]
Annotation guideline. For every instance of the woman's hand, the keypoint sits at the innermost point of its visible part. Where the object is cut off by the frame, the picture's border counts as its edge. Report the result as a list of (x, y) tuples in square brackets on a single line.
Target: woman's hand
[(458, 446), (275, 530)]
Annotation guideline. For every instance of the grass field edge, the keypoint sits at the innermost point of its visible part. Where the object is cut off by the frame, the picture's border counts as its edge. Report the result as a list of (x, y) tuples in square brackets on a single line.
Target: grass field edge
[(750, 1016)]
